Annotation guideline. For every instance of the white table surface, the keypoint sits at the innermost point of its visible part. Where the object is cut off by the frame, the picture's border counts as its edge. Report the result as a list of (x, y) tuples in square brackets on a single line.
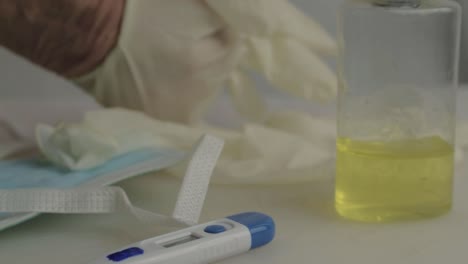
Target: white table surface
[(308, 229)]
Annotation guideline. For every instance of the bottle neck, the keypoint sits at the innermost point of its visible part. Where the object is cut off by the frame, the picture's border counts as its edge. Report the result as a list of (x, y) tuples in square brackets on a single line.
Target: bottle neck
[(398, 3)]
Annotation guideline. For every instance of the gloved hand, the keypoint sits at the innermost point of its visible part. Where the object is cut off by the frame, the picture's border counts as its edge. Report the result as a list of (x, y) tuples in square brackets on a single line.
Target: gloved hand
[(172, 56)]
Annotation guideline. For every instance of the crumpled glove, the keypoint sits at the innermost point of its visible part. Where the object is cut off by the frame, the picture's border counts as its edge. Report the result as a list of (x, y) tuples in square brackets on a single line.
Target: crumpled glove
[(297, 148), (284, 46), (170, 58), (173, 56)]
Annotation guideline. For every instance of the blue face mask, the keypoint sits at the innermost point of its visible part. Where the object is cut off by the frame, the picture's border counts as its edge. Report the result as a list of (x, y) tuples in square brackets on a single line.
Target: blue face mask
[(24, 174), (35, 181)]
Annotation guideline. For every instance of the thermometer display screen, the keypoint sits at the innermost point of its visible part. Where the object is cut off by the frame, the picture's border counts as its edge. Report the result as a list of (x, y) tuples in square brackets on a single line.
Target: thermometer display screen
[(180, 241)]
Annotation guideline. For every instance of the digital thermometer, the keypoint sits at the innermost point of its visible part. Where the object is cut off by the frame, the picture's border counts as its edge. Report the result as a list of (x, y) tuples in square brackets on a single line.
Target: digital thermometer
[(202, 244)]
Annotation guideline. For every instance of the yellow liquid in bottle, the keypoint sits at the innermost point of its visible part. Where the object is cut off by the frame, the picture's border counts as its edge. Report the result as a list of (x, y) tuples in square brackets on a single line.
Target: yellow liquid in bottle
[(380, 181)]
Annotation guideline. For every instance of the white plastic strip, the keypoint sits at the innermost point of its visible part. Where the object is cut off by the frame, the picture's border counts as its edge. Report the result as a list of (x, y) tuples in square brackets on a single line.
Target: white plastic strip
[(75, 201), (197, 178), (113, 199), (66, 201)]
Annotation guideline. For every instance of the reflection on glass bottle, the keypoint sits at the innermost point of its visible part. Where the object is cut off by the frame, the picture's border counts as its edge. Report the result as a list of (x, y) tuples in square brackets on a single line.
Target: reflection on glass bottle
[(396, 110)]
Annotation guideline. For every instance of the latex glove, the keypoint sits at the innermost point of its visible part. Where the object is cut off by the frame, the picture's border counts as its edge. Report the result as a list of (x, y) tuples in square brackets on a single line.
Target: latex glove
[(172, 68), (257, 154), (284, 46), (171, 58)]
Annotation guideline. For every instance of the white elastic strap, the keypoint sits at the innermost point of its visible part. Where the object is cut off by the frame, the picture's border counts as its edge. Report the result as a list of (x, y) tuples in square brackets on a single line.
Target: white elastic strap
[(113, 199), (196, 181), (75, 201)]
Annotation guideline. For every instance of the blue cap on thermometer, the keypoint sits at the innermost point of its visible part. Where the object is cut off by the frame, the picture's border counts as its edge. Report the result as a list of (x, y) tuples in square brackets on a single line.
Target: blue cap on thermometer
[(261, 227)]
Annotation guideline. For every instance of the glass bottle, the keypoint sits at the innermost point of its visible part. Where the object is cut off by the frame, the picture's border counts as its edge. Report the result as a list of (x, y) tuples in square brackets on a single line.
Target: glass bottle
[(396, 108)]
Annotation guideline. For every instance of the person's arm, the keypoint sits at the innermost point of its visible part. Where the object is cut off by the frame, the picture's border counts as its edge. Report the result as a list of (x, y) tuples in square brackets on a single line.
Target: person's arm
[(69, 37)]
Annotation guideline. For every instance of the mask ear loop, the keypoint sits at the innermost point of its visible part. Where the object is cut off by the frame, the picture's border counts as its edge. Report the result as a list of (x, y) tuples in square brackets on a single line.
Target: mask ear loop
[(196, 181), (87, 200)]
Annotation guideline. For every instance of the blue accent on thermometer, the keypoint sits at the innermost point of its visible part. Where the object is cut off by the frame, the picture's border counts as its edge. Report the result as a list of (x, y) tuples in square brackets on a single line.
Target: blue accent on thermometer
[(262, 227), (125, 254), (215, 229), (206, 243)]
